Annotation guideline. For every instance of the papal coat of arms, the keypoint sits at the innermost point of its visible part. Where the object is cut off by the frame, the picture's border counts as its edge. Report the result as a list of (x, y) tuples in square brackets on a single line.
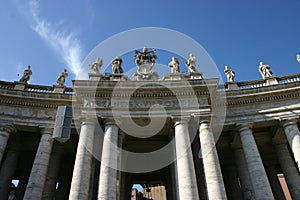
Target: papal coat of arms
[(145, 61)]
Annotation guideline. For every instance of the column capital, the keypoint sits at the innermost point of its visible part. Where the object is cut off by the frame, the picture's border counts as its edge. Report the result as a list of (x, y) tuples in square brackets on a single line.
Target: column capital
[(243, 127), (177, 120), (46, 130), (88, 120), (287, 122), (109, 121), (202, 119)]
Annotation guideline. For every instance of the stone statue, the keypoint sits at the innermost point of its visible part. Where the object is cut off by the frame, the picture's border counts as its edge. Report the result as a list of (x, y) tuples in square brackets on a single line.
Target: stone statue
[(230, 74), (191, 64), (298, 58), (96, 66), (264, 70), (26, 75), (62, 78), (116, 65), (174, 64)]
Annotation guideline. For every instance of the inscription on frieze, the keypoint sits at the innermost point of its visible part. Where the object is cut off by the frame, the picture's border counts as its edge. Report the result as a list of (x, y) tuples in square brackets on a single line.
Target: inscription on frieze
[(146, 104)]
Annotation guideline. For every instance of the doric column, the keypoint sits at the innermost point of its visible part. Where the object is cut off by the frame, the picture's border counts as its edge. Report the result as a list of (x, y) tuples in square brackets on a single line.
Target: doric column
[(288, 167), (243, 172), (37, 178), (8, 169), (293, 136), (258, 176), (53, 171), (5, 132), (185, 166), (82, 169), (212, 169), (108, 171)]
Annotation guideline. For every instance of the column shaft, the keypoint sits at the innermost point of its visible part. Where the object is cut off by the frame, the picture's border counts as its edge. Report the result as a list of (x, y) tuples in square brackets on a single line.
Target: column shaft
[(258, 176), (245, 181), (212, 169), (4, 136), (82, 169), (7, 171), (288, 167), (293, 136), (108, 173), (185, 166), (37, 178), (53, 171)]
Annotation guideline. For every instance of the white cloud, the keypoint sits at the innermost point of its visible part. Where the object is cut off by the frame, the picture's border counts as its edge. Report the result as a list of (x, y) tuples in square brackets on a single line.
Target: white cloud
[(64, 43)]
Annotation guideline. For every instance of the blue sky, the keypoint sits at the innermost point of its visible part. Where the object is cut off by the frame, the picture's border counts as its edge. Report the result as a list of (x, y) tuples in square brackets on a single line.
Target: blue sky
[(52, 35)]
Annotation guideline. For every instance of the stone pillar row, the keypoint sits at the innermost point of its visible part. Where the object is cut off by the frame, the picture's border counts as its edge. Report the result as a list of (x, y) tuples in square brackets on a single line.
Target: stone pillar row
[(252, 174), (82, 170)]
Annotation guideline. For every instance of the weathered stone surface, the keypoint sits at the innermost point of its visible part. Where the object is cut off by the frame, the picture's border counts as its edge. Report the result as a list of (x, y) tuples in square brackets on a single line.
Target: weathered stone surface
[(35, 186), (82, 168), (258, 176), (290, 171), (108, 171), (213, 175), (187, 183), (293, 136), (243, 172)]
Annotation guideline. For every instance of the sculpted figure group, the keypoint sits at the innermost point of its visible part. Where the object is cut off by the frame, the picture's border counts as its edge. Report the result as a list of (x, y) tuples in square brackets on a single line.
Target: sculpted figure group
[(146, 56), (28, 72)]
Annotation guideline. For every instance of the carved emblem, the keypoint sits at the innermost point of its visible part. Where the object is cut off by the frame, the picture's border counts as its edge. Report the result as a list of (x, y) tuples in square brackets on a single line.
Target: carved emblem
[(145, 61)]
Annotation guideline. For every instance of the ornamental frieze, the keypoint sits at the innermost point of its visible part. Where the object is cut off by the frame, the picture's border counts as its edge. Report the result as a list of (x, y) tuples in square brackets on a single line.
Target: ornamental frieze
[(146, 104)]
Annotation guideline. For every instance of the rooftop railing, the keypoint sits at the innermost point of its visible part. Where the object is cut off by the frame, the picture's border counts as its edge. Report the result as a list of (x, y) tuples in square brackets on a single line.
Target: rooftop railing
[(240, 85)]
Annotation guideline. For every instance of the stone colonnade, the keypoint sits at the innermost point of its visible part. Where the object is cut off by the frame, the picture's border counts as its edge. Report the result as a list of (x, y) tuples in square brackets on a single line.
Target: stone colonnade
[(252, 174)]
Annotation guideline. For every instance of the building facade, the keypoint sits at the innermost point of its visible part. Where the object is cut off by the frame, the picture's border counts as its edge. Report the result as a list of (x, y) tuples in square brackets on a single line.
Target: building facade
[(238, 140)]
